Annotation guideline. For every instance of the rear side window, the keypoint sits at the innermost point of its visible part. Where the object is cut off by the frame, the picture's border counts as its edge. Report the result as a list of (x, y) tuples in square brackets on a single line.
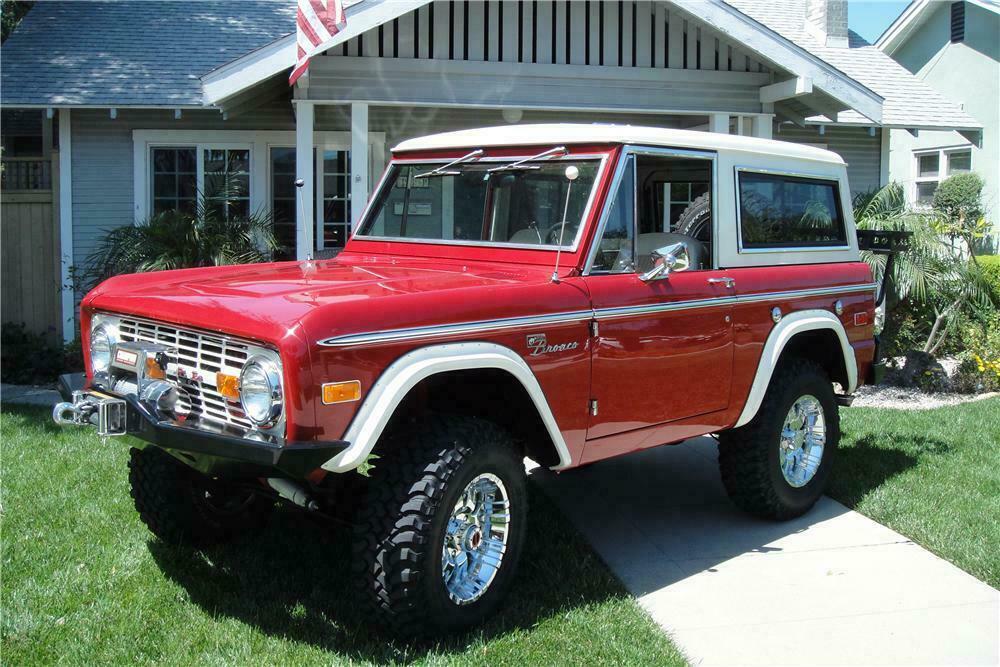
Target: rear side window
[(779, 211)]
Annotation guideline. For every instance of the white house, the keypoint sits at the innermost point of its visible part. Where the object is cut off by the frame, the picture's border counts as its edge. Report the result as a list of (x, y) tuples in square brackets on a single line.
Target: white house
[(953, 47), (153, 100)]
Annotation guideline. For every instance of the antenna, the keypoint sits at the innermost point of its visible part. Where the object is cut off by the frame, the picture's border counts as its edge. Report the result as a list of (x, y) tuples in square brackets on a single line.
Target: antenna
[(572, 173), (299, 182)]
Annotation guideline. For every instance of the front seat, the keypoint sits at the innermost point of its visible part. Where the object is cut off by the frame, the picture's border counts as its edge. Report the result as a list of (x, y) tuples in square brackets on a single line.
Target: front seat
[(647, 243)]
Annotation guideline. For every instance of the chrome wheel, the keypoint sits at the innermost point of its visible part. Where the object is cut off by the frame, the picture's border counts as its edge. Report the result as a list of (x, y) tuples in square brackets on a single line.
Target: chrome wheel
[(803, 437), (476, 539)]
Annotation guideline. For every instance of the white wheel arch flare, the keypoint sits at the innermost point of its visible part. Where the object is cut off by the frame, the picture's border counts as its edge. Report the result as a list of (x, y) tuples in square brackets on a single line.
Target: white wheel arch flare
[(407, 371), (781, 334)]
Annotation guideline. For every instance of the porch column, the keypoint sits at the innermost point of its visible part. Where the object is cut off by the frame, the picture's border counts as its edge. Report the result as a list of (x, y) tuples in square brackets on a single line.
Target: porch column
[(762, 125), (304, 233), (65, 194), (719, 122), (360, 161)]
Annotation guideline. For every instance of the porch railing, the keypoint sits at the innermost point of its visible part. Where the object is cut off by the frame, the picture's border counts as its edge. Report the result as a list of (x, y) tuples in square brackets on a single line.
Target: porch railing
[(26, 173)]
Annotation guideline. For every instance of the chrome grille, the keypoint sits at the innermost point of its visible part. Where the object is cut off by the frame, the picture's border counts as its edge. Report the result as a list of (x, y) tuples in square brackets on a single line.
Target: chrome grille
[(195, 359)]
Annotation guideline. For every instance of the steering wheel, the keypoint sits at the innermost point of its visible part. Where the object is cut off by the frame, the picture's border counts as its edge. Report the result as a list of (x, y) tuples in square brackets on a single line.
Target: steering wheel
[(566, 229)]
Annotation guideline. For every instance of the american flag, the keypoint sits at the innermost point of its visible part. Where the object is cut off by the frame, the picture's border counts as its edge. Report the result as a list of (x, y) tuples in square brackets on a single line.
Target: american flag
[(316, 22)]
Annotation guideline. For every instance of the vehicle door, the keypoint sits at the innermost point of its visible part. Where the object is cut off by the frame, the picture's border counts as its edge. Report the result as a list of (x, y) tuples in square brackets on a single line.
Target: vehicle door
[(664, 344)]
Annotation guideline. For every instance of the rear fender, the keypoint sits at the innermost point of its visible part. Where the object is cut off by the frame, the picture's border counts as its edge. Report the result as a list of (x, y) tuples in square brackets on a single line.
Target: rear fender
[(778, 339)]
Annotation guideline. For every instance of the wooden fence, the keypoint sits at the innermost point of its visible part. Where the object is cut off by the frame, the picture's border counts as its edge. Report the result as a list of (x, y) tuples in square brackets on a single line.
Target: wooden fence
[(30, 284)]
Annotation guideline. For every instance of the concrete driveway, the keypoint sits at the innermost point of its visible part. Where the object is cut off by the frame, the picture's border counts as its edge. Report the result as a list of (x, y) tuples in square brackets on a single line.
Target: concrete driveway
[(830, 588)]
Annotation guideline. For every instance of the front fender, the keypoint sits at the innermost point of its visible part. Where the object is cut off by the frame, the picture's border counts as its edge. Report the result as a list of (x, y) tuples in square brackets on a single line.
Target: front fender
[(406, 372)]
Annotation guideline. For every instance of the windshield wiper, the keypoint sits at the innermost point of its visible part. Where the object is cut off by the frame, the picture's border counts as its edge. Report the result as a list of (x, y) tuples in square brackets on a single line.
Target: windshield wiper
[(523, 164), (443, 169)]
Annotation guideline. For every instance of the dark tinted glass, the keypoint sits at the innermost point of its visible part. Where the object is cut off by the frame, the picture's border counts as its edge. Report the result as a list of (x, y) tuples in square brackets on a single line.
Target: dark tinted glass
[(785, 211)]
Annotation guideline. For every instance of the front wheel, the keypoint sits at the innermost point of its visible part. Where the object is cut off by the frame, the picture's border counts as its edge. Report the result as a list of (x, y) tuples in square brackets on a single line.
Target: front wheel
[(181, 506), (777, 466), (443, 526)]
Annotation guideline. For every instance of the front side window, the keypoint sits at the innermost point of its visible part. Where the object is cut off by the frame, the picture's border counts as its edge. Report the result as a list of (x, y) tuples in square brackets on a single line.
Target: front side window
[(535, 204), (779, 211)]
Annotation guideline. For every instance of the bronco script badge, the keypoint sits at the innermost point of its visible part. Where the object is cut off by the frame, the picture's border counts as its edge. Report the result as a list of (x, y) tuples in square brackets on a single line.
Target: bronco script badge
[(539, 345)]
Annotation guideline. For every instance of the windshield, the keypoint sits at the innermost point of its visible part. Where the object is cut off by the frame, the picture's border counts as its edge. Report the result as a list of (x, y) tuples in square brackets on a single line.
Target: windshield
[(522, 206)]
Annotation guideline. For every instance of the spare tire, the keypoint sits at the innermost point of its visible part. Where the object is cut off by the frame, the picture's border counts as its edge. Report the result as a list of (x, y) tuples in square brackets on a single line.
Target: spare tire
[(696, 220)]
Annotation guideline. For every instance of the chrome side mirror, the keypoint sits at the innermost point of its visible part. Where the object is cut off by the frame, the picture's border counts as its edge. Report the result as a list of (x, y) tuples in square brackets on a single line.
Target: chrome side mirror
[(667, 260)]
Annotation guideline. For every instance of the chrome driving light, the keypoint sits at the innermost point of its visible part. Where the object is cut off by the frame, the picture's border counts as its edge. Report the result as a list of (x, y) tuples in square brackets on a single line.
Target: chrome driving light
[(260, 391), (102, 342)]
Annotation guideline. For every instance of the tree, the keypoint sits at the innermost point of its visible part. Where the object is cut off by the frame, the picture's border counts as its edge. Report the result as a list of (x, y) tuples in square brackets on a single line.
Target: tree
[(931, 271), (958, 202), (11, 13)]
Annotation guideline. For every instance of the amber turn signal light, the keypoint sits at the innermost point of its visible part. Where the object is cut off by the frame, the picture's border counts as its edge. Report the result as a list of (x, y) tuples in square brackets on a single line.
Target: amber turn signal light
[(228, 386), (153, 369), (341, 392)]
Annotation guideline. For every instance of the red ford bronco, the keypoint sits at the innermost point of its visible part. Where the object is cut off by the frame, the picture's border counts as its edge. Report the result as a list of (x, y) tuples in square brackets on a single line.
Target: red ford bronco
[(566, 293)]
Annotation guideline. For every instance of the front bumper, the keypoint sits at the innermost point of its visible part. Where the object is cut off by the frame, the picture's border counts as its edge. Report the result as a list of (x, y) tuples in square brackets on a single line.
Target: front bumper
[(204, 446)]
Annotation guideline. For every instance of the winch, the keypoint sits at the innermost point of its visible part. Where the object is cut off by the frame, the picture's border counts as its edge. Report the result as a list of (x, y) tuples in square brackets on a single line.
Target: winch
[(137, 370)]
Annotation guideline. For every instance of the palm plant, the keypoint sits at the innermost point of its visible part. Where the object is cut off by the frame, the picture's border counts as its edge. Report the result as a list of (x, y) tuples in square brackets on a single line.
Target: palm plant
[(930, 271), (178, 239)]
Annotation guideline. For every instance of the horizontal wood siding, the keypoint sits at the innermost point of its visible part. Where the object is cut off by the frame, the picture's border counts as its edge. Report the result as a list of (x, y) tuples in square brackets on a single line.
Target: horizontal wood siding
[(859, 149), (102, 161)]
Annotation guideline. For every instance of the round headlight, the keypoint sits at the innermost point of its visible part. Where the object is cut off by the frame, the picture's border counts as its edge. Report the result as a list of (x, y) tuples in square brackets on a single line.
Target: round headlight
[(260, 391), (100, 348)]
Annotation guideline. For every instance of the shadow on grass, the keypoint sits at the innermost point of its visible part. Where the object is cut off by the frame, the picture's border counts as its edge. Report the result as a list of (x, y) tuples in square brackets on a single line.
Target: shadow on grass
[(293, 580), (869, 462)]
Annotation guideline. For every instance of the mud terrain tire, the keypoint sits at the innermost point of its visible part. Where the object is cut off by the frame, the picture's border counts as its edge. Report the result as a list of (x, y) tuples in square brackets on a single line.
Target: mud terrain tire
[(696, 219), (181, 506), (400, 533), (749, 455)]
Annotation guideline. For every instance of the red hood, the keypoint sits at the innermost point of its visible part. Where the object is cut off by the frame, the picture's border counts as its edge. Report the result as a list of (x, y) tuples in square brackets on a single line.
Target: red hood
[(330, 297)]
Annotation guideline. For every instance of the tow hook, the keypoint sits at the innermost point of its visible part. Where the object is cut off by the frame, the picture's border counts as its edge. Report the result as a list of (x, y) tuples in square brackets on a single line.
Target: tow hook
[(109, 415), (293, 493)]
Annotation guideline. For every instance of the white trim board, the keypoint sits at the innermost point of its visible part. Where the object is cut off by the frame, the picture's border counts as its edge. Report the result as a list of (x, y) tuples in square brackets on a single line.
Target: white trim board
[(280, 55), (68, 304)]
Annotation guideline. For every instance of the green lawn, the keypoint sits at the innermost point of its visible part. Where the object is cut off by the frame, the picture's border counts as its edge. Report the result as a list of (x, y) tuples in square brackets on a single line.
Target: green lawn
[(83, 581), (931, 475)]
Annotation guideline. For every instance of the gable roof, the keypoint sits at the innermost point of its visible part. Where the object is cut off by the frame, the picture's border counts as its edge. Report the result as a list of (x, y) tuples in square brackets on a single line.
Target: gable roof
[(913, 17), (131, 53), (909, 102), (193, 54)]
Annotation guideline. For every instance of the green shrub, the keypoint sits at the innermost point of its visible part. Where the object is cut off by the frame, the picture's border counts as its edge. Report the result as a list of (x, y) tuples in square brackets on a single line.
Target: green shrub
[(990, 265), (959, 198), (27, 357), (979, 366)]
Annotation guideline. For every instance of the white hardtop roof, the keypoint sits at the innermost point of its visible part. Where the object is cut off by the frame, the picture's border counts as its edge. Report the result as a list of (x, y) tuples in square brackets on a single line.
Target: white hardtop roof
[(569, 133)]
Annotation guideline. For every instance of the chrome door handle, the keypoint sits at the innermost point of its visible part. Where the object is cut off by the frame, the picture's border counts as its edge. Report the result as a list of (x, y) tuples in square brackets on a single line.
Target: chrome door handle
[(727, 281)]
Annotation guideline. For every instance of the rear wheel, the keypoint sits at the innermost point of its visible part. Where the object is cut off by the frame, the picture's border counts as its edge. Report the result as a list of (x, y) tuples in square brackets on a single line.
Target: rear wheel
[(777, 466), (442, 529), (181, 506)]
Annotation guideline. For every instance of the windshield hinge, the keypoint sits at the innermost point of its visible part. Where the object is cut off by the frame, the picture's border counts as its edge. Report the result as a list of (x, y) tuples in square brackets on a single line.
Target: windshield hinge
[(595, 329), (593, 407)]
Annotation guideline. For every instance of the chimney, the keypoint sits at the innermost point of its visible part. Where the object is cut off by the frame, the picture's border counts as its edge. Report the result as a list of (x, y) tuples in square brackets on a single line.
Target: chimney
[(827, 21)]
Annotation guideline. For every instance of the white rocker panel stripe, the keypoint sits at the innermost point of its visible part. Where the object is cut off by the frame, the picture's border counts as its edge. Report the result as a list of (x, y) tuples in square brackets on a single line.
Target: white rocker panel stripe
[(404, 374), (783, 331)]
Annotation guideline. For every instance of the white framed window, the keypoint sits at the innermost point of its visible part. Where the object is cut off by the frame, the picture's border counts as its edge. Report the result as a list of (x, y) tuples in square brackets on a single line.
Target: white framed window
[(933, 165), (257, 171)]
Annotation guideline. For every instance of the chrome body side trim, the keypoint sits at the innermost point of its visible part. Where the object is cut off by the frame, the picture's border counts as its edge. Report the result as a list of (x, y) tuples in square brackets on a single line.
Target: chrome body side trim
[(462, 328), (458, 329)]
